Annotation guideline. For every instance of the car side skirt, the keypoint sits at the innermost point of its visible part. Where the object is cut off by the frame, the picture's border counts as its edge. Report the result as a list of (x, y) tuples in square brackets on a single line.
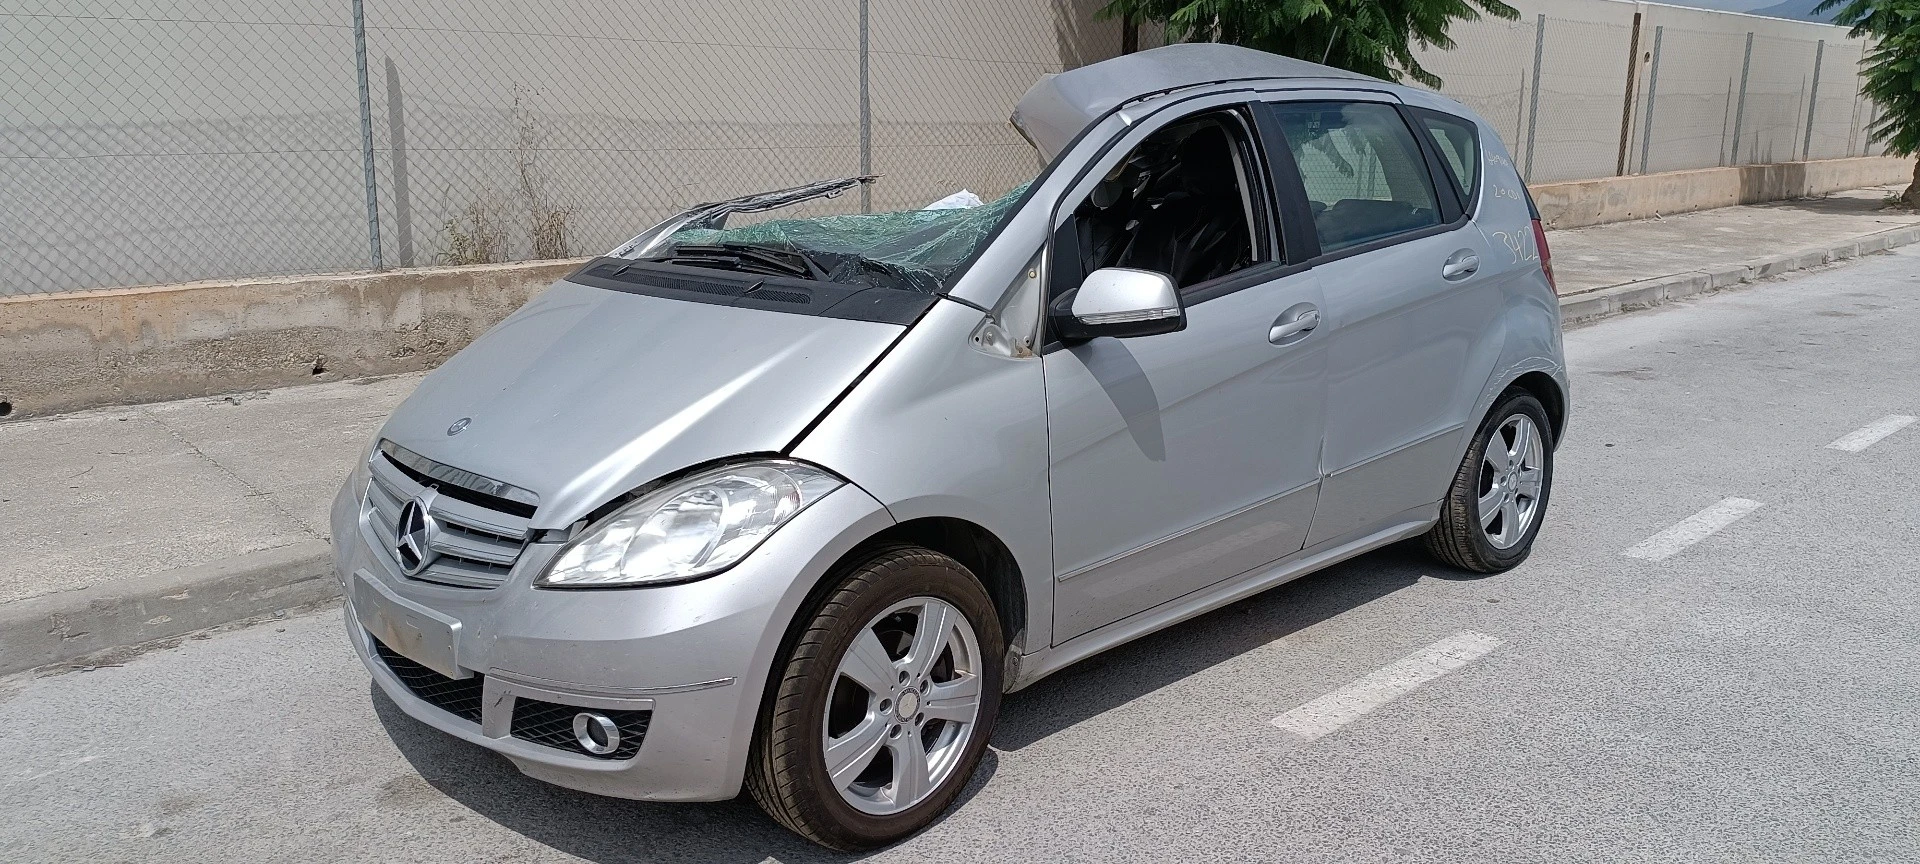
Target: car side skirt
[(1409, 523)]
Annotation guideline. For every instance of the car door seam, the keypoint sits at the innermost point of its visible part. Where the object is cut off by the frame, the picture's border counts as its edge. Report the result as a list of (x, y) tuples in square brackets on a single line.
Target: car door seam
[(1184, 532), (1451, 430)]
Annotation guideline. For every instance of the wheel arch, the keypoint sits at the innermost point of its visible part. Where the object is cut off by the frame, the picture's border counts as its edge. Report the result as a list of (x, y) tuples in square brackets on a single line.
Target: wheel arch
[(1544, 388), (978, 550)]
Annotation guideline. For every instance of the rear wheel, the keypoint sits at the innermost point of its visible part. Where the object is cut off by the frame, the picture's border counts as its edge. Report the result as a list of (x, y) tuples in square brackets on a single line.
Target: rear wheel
[(1493, 510), (884, 704)]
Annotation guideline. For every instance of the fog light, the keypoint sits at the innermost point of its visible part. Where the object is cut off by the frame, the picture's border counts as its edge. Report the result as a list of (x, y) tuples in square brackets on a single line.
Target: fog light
[(596, 733)]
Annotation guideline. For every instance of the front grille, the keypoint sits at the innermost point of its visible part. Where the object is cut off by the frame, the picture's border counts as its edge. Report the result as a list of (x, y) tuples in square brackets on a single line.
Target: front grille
[(478, 537), (552, 725), (457, 696)]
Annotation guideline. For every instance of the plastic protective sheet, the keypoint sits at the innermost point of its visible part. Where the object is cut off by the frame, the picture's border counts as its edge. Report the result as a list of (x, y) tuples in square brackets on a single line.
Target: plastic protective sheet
[(916, 250)]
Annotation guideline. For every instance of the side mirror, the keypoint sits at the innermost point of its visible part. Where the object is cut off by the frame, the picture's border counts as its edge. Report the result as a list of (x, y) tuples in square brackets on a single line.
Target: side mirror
[(1119, 302)]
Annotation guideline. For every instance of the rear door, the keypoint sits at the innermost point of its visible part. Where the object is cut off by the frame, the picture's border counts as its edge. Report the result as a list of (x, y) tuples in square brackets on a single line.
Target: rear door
[(1406, 305)]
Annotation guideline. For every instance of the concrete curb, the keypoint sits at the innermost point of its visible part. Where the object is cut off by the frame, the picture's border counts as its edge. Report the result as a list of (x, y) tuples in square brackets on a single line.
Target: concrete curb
[(63, 627), (1632, 296)]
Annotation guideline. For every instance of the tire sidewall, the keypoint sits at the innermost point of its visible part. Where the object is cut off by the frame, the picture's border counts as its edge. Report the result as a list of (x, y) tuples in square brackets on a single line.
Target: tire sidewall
[(1508, 407), (954, 585)]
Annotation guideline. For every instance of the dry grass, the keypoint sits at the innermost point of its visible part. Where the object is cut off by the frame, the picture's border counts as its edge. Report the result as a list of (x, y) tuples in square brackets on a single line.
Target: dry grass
[(479, 234)]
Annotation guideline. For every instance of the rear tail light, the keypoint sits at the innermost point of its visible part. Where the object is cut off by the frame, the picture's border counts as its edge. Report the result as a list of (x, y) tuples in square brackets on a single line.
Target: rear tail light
[(1546, 257)]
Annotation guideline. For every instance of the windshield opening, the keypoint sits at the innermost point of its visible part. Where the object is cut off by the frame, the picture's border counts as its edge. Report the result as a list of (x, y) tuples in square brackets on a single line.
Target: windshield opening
[(915, 250)]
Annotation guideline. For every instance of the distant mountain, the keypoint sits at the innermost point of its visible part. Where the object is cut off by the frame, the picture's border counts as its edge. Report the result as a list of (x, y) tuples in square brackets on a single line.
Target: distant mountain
[(1798, 10)]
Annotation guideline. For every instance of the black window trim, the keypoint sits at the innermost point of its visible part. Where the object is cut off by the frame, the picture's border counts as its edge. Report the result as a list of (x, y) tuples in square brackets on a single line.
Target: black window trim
[(1469, 200), (1064, 244), (1294, 195)]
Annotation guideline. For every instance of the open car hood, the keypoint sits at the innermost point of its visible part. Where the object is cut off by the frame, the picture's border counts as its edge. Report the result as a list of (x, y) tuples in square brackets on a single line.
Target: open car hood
[(586, 393)]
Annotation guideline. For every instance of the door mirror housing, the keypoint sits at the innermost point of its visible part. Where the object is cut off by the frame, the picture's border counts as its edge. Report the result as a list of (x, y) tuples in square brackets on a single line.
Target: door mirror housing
[(1119, 302)]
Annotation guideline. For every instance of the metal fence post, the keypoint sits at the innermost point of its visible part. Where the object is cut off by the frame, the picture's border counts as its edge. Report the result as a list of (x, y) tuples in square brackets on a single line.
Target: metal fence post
[(1739, 113), (1653, 86), (1813, 98), (866, 113), (1533, 112), (366, 133), (1866, 132), (1520, 110), (1626, 105)]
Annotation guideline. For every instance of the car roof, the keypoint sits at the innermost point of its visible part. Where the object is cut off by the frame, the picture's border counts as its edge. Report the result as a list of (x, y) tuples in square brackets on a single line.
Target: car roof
[(1057, 108)]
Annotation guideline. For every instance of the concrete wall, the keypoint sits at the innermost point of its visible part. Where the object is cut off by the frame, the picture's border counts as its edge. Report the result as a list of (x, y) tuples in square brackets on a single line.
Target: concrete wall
[(1617, 199), (63, 352)]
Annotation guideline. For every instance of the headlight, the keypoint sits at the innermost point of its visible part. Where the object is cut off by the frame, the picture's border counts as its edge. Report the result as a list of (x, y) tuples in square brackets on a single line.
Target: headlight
[(692, 527)]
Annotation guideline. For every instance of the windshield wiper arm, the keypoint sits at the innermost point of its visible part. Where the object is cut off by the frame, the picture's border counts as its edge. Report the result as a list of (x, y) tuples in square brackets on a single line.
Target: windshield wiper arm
[(746, 257)]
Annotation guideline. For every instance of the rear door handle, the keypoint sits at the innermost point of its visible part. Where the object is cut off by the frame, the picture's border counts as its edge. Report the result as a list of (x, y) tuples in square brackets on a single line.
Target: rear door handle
[(1461, 265), (1294, 324)]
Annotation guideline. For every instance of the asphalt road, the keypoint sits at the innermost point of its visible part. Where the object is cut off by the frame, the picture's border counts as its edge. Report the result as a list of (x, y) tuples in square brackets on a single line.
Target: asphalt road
[(1747, 694)]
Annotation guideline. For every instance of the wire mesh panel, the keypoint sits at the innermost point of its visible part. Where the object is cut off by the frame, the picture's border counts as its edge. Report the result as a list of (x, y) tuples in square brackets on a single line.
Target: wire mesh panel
[(151, 142), (146, 142), (1698, 83), (1583, 84), (1771, 127), (1836, 124), (945, 77), (506, 131)]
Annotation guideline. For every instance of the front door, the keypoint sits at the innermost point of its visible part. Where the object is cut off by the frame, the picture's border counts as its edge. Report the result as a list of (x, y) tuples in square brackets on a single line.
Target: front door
[(1182, 459)]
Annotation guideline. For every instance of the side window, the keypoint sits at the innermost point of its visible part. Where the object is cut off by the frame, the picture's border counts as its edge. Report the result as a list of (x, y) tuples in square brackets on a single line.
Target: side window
[(1186, 202), (1364, 174), (1458, 143)]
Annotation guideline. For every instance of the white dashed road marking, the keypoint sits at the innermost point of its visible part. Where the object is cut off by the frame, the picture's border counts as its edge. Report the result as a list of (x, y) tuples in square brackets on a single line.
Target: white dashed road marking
[(1390, 682), (1692, 529), (1869, 435)]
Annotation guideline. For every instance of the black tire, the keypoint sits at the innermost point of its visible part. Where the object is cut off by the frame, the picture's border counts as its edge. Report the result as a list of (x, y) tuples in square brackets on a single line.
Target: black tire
[(787, 771), (1457, 539)]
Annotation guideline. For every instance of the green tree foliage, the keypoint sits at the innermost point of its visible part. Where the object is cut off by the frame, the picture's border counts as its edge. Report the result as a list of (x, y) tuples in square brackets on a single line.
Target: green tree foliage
[(1893, 73), (1372, 37)]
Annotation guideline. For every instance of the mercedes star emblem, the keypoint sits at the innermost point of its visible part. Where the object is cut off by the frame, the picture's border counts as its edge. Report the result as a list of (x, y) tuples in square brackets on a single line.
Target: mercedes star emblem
[(414, 535)]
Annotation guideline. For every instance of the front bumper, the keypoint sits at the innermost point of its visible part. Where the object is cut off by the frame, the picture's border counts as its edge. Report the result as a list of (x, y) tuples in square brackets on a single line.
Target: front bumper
[(695, 655)]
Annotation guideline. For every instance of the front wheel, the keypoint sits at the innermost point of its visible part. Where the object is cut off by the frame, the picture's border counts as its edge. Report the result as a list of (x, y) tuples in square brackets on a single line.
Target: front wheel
[(884, 703), (1493, 510)]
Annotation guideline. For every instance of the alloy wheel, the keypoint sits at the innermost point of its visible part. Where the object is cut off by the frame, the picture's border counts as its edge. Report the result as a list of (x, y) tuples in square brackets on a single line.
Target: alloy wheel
[(1510, 478), (904, 704)]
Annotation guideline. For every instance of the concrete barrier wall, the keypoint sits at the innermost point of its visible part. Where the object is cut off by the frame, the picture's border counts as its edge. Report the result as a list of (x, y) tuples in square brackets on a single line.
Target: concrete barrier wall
[(64, 352), (1618, 199)]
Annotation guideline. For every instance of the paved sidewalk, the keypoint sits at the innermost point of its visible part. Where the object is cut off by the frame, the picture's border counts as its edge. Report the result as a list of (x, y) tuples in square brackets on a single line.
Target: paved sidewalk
[(1602, 256), (112, 516)]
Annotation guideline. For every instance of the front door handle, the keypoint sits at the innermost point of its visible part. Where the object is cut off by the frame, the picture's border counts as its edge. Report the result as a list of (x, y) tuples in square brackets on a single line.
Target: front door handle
[(1294, 324), (1461, 265)]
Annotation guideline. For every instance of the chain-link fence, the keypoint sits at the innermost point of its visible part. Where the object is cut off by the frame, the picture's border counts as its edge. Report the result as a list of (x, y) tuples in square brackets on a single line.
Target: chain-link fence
[(147, 142)]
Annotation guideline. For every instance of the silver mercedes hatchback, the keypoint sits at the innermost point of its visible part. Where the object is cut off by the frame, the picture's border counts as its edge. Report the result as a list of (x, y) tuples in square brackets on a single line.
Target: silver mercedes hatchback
[(792, 504)]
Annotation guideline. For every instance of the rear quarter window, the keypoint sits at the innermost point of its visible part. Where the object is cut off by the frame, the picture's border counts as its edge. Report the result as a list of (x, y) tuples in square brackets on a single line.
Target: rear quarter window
[(1459, 144)]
